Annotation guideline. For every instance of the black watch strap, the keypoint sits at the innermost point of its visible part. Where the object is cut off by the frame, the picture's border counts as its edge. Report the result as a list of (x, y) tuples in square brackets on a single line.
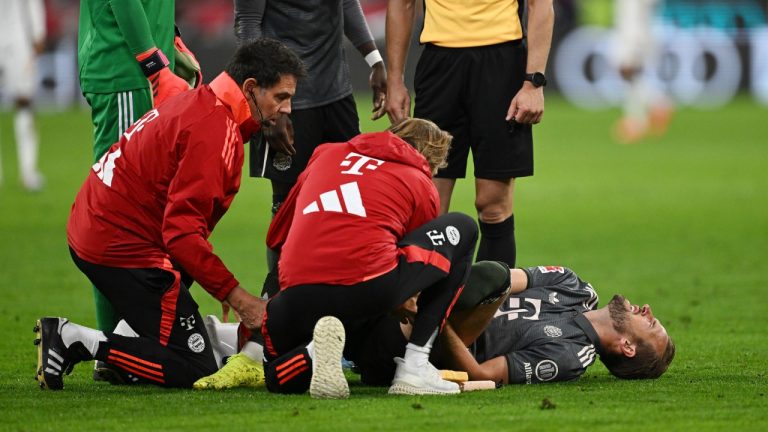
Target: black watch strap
[(538, 79), (154, 63)]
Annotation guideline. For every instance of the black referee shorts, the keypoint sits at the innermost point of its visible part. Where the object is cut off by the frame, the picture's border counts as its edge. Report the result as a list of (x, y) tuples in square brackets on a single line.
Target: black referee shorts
[(335, 122), (467, 92)]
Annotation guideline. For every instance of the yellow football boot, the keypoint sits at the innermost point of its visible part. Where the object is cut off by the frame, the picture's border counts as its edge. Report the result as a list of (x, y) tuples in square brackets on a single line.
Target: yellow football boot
[(240, 371)]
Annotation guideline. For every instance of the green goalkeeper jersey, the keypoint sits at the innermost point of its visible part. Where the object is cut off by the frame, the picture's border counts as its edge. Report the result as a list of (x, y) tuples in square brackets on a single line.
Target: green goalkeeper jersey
[(112, 32)]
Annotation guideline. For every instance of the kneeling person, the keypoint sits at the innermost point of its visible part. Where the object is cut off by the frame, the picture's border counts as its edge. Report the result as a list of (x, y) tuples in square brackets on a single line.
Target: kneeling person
[(140, 224), (358, 235)]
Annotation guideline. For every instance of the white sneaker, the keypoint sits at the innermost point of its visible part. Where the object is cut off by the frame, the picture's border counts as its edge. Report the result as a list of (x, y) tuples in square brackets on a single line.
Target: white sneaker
[(328, 380), (420, 380)]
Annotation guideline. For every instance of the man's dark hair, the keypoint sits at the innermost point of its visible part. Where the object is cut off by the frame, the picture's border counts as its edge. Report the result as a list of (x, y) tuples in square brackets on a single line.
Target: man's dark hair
[(266, 60), (645, 364)]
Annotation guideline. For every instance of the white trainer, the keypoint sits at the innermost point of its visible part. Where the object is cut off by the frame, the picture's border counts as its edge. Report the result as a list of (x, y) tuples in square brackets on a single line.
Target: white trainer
[(328, 380), (423, 380)]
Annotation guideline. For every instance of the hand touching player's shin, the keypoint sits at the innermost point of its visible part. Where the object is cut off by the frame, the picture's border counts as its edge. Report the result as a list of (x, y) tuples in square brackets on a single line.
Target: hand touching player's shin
[(248, 307)]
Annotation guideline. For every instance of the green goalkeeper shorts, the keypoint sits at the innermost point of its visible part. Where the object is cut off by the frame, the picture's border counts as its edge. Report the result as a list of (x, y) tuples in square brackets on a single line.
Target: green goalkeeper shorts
[(113, 113)]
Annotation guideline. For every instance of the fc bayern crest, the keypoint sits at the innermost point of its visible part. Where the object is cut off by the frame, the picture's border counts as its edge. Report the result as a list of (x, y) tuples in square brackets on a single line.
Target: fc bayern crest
[(282, 161), (196, 342), (453, 234), (552, 331)]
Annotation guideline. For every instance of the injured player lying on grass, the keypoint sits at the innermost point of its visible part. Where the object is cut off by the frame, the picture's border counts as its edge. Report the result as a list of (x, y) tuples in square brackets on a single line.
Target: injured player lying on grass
[(533, 325)]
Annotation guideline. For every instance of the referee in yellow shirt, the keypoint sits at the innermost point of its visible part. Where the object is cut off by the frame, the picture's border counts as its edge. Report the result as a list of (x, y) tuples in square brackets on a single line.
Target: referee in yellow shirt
[(481, 78)]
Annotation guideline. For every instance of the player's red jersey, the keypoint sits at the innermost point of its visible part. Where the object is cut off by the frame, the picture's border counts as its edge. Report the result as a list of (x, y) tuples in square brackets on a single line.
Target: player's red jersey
[(352, 204), (157, 194)]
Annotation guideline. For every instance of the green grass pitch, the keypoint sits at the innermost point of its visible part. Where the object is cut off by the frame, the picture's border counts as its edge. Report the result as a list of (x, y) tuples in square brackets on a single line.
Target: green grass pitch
[(680, 222)]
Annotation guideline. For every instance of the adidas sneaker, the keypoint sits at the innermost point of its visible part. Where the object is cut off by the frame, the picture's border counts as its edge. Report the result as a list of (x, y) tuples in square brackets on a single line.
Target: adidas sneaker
[(53, 358)]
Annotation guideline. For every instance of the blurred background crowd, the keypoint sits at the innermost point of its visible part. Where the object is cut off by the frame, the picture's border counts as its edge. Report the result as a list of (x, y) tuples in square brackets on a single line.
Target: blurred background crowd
[(711, 50)]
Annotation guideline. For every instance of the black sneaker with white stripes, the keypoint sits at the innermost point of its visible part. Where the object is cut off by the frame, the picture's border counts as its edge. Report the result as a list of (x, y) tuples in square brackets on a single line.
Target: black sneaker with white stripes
[(53, 358)]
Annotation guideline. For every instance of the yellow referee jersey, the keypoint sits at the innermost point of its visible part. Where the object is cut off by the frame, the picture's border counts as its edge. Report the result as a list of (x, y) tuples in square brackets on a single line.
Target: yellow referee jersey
[(469, 23)]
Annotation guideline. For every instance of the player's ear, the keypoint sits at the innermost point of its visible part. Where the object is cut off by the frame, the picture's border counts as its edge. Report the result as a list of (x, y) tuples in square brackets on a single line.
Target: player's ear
[(628, 348)]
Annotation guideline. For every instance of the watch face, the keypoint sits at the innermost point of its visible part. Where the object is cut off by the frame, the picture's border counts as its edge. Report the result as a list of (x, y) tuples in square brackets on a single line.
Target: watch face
[(538, 79)]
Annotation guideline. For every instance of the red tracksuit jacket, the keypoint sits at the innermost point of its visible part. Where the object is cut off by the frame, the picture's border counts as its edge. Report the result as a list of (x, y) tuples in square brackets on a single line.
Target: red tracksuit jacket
[(157, 194), (341, 222)]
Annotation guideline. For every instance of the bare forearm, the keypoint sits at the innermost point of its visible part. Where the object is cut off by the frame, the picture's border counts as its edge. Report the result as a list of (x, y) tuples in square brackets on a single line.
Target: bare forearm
[(365, 48), (519, 280), (541, 19), (456, 356), (400, 15)]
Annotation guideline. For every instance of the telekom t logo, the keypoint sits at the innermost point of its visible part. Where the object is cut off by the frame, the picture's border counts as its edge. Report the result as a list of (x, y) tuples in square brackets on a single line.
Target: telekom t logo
[(362, 162)]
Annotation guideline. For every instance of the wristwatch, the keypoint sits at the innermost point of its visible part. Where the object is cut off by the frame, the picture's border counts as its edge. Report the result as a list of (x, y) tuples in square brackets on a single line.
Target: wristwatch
[(537, 79)]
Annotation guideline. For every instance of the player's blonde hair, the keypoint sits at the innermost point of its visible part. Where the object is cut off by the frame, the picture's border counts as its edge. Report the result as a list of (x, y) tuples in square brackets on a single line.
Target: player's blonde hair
[(426, 138)]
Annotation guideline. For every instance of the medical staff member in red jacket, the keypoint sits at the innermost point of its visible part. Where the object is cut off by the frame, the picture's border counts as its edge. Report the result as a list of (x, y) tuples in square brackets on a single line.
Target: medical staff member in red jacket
[(358, 235), (140, 224)]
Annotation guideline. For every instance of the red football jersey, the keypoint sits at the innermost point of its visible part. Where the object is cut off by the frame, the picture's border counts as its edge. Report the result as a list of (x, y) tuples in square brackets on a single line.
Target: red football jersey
[(157, 194), (352, 204)]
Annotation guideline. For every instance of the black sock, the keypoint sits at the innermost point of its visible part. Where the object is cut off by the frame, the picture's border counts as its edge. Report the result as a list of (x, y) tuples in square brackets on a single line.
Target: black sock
[(497, 242), (271, 286)]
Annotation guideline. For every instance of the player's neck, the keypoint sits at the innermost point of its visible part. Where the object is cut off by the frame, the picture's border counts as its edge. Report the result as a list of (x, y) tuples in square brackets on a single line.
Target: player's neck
[(603, 324)]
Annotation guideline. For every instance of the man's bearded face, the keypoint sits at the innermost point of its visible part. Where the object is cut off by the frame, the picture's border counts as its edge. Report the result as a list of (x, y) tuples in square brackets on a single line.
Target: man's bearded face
[(619, 312)]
